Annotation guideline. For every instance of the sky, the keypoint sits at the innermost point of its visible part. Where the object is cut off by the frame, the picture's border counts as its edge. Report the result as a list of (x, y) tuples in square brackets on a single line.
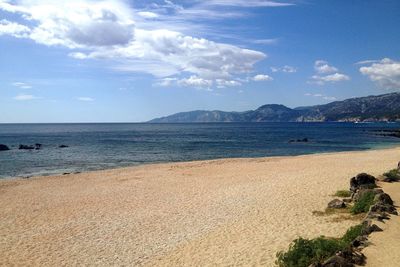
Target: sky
[(134, 60)]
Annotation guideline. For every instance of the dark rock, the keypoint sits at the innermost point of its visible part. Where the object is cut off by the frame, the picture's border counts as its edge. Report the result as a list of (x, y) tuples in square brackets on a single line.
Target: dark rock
[(38, 146), (63, 146), (362, 180), (398, 166), (4, 147), (26, 147), (380, 208), (66, 173), (336, 204), (383, 198), (337, 261), (347, 200), (371, 228), (380, 216)]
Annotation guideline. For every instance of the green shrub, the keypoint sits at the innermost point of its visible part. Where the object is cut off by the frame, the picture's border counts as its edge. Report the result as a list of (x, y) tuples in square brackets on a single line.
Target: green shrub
[(393, 175), (352, 233), (363, 203), (303, 252), (343, 193)]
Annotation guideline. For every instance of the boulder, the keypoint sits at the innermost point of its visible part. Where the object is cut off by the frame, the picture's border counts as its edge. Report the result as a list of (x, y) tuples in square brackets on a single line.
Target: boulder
[(336, 204), (380, 208), (383, 198), (371, 228), (4, 147), (26, 147), (62, 146), (38, 146), (362, 181), (398, 166)]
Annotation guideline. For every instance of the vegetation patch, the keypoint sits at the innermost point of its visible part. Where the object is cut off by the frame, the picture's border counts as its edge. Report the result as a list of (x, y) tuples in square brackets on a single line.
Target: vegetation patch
[(342, 193), (363, 203), (392, 175), (303, 252)]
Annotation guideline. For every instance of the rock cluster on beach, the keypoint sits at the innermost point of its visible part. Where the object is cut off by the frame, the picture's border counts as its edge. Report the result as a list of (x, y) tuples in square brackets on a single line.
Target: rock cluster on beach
[(380, 210)]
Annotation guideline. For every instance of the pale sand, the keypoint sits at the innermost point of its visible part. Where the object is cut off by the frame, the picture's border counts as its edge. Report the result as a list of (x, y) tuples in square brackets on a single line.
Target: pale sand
[(209, 213), (384, 249)]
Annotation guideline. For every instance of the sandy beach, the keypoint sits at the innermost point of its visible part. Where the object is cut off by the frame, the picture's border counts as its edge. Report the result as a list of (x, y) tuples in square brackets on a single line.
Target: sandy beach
[(229, 212)]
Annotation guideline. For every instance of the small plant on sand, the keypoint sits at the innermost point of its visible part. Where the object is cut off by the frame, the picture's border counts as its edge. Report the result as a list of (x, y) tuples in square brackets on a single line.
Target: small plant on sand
[(393, 175), (343, 193), (352, 233), (303, 252), (364, 203)]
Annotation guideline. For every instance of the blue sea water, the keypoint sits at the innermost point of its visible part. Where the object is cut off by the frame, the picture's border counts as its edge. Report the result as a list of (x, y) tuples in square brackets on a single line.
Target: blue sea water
[(102, 146)]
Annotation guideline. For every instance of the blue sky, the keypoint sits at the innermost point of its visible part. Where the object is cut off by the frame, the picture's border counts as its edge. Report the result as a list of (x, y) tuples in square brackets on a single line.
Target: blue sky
[(131, 61)]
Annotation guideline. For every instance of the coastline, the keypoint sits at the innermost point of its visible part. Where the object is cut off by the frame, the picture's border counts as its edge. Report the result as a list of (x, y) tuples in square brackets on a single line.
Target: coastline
[(237, 211)]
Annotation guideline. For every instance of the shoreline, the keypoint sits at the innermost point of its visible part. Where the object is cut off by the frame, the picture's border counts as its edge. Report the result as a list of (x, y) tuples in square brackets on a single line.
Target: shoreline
[(377, 148), (221, 212)]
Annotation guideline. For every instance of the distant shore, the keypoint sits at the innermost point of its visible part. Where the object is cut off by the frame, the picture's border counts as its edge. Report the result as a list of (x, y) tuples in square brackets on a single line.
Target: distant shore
[(220, 212)]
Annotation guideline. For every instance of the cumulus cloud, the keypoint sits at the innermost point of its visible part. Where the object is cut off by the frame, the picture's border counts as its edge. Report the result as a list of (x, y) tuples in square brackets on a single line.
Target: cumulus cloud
[(195, 81), (322, 66), (386, 73), (25, 97), (107, 30), (336, 77), (13, 29), (262, 77), (326, 73), (85, 99)]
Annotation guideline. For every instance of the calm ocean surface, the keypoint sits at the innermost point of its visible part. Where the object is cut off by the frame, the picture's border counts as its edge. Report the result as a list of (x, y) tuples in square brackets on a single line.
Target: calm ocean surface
[(102, 146)]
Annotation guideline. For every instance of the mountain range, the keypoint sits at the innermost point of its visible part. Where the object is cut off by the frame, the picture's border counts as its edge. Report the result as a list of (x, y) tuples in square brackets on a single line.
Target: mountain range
[(370, 108)]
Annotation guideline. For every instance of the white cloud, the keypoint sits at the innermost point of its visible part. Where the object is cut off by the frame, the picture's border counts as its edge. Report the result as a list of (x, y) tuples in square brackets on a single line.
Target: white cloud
[(286, 69), (13, 29), (166, 82), (107, 30), (262, 77), (22, 85), (85, 99), (326, 74), (266, 41), (386, 73), (25, 97), (324, 97), (336, 77), (195, 81), (147, 14), (221, 83), (368, 61), (322, 66)]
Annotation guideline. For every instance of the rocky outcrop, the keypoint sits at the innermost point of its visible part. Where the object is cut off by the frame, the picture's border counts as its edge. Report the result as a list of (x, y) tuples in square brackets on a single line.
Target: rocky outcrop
[(4, 147), (336, 204), (26, 147), (362, 181)]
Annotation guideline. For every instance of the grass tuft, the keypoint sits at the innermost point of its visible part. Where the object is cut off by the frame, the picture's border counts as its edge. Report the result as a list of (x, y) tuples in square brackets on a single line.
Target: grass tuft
[(303, 252), (393, 175), (342, 193), (364, 203)]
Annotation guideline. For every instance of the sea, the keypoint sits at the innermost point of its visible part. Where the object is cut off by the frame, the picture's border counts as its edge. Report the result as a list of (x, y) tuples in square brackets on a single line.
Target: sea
[(98, 146)]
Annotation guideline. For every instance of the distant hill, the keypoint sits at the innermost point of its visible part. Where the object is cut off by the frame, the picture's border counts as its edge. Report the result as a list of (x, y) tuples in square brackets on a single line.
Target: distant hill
[(371, 108)]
